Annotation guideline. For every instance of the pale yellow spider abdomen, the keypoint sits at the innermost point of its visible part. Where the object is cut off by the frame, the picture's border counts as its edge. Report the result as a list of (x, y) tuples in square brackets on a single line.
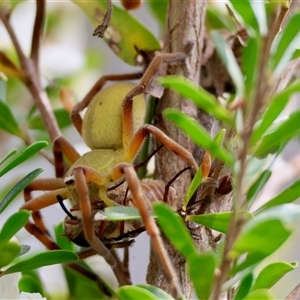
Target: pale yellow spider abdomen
[(102, 125)]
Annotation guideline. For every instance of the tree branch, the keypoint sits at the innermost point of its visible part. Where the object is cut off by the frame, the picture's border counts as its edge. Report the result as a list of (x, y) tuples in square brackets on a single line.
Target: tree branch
[(37, 31)]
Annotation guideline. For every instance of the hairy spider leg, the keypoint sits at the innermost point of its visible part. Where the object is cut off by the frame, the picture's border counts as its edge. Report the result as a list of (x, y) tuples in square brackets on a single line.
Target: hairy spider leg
[(151, 227), (63, 146), (54, 188)]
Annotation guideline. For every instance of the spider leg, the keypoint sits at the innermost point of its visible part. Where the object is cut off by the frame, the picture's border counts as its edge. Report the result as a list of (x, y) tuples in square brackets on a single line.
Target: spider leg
[(41, 185), (151, 227), (63, 146), (83, 174), (141, 87), (138, 139)]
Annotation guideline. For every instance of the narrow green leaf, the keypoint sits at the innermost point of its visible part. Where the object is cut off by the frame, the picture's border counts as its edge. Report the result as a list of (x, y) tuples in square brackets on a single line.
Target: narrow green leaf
[(253, 14), (284, 47), (24, 155), (271, 228), (251, 55), (159, 10), (62, 117), (43, 259), (276, 106), (260, 237), (283, 133), (217, 221), (202, 273), (120, 213), (228, 59), (24, 250), (258, 185), (255, 167), (13, 224), (8, 121), (290, 194), (7, 156), (199, 96), (18, 188), (9, 251), (61, 240), (198, 134), (262, 294), (192, 187), (239, 276), (124, 33), (244, 287), (218, 139), (216, 19), (130, 292), (173, 227), (272, 273), (160, 294), (30, 282)]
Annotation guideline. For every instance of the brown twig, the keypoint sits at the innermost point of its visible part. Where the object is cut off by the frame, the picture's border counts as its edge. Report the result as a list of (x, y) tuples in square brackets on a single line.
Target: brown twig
[(37, 32), (4, 18), (262, 91), (32, 75)]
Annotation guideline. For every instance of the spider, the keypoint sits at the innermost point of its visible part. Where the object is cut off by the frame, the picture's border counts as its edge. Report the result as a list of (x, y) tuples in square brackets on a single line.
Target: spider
[(113, 128)]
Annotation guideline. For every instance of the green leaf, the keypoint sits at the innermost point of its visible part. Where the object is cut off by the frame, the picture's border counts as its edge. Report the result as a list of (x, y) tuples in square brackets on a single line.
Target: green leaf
[(130, 292), (41, 260), (120, 213), (159, 10), (270, 237), (199, 96), (198, 134), (8, 121), (244, 287), (255, 166), (218, 139), (9, 251), (192, 187), (283, 133), (62, 117), (262, 294), (230, 63), (217, 221), (260, 237), (216, 19), (290, 194), (160, 294), (24, 155), (284, 46), (7, 156), (31, 283), (124, 32), (258, 184), (253, 14), (24, 249), (175, 230), (272, 273), (18, 188), (12, 225), (251, 55), (276, 106), (61, 240), (202, 273)]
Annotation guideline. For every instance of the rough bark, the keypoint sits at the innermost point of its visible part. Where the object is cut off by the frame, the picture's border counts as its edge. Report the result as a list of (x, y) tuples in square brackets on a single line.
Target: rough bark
[(185, 24)]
